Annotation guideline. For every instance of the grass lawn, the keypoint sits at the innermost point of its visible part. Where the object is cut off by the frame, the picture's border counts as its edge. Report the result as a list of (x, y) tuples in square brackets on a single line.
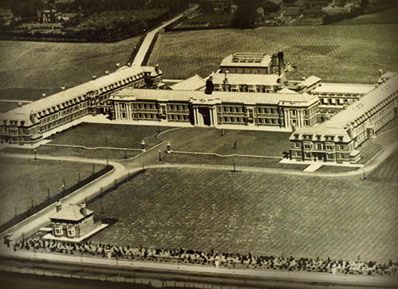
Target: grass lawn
[(229, 161), (337, 53), (109, 135), (335, 169), (32, 68), (211, 140), (388, 170), (26, 180), (388, 16), (260, 213), (75, 152)]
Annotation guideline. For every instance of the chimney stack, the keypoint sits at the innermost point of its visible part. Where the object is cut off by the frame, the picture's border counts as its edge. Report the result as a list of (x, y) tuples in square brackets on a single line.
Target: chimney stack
[(83, 209), (281, 63), (209, 86), (58, 206)]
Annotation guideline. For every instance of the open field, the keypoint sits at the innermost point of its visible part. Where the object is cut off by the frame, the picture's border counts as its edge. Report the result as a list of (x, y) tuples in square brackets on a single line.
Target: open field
[(25, 181), (388, 170), (260, 213), (32, 68), (226, 142), (336, 53), (109, 135), (388, 16)]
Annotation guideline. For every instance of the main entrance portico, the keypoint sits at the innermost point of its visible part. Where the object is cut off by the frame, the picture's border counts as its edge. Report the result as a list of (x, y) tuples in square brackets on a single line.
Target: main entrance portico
[(204, 112)]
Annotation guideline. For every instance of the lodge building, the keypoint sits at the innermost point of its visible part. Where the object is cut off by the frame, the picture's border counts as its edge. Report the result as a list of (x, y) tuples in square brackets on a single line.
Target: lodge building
[(337, 139), (26, 124), (72, 222)]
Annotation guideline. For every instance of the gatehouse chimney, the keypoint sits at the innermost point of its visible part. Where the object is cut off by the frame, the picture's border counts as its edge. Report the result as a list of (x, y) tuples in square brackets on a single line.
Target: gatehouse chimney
[(58, 206)]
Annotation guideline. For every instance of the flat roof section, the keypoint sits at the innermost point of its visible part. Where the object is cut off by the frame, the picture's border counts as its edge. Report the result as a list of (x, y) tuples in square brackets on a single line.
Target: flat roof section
[(247, 60), (343, 88)]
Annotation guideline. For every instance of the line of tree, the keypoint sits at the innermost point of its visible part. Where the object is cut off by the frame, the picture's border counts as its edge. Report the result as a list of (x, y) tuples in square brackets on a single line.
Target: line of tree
[(245, 16)]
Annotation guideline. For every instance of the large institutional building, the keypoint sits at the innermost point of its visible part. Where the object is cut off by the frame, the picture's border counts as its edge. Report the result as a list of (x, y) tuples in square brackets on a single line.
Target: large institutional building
[(336, 139), (26, 124), (250, 90)]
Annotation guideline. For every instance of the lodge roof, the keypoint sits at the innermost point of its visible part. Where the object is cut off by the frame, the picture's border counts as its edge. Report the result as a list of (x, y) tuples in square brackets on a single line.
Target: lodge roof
[(72, 212)]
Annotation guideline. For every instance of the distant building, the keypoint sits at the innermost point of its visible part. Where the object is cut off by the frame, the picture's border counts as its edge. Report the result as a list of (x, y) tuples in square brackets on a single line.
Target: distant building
[(6, 16), (216, 6), (313, 8), (336, 140), (272, 5), (293, 12), (72, 222)]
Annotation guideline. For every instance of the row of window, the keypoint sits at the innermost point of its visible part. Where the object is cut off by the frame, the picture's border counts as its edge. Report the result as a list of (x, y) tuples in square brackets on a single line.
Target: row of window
[(153, 106), (70, 231), (63, 120), (227, 119), (228, 109), (329, 156), (178, 117), (335, 101)]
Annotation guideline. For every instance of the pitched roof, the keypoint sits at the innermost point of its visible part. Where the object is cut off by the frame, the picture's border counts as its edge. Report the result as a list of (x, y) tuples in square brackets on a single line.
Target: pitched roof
[(310, 81), (193, 83), (71, 212), (106, 82), (343, 88), (338, 123)]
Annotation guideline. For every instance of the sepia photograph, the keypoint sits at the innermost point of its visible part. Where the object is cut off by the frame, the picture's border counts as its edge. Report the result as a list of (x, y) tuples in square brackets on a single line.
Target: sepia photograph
[(210, 144)]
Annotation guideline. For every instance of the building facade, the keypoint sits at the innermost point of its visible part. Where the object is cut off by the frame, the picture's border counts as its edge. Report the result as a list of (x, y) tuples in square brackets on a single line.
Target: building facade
[(337, 139), (26, 124), (195, 108), (253, 63), (334, 97), (72, 222)]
